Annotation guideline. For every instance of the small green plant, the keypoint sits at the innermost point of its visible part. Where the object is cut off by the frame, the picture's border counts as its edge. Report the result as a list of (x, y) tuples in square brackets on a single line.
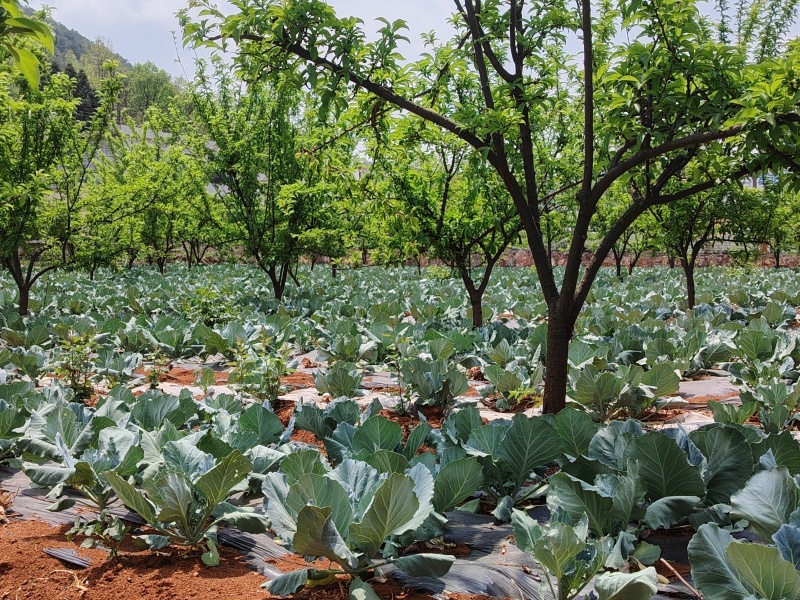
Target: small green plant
[(260, 375), (205, 379), (74, 365), (513, 383), (187, 510), (103, 530), (160, 367), (343, 379), (778, 404)]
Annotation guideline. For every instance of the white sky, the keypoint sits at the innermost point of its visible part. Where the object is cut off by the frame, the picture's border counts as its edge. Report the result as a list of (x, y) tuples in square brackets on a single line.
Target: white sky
[(140, 30)]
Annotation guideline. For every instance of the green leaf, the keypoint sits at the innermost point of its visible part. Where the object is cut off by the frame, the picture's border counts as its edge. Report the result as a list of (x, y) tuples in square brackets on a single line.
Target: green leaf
[(360, 590), (131, 497), (425, 565), (275, 490), (177, 501), (391, 512), (557, 548), (455, 482), (667, 512), (787, 541), (767, 501), (576, 430), (257, 426), (27, 63), (711, 569), (248, 522), (729, 461), (530, 442), (288, 583), (317, 536), (216, 484), (323, 492), (359, 480), (386, 461), (577, 498), (642, 585), (303, 462), (664, 467), (526, 530), (211, 558), (663, 379), (784, 448), (765, 570), (416, 438), (377, 433)]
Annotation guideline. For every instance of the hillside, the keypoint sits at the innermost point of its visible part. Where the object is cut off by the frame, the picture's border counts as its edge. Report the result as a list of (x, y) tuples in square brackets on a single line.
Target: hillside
[(71, 45)]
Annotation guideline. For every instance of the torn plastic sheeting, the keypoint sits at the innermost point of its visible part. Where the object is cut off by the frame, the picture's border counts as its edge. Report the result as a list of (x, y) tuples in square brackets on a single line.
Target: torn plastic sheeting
[(69, 556), (471, 577)]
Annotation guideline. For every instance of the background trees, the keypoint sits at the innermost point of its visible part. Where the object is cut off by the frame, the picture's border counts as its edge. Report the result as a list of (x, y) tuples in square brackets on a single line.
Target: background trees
[(663, 105)]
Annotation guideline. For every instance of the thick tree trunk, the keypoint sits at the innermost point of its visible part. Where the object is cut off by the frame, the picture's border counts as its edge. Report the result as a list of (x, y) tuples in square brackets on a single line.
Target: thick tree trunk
[(24, 299), (777, 255), (559, 332), (476, 302)]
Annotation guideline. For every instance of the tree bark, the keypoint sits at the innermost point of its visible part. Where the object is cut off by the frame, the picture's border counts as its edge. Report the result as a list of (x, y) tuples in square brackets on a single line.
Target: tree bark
[(618, 256), (24, 300), (476, 302), (688, 271), (559, 331)]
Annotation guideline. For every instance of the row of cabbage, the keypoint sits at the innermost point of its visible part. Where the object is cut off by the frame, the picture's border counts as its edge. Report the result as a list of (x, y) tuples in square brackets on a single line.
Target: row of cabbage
[(176, 461), (86, 332)]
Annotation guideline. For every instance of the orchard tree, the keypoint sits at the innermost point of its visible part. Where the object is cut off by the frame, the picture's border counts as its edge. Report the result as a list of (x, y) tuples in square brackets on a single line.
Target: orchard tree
[(273, 197), (779, 210), (641, 236), (80, 145), (687, 226), (658, 98), (156, 189), (460, 211), (766, 215), (32, 128)]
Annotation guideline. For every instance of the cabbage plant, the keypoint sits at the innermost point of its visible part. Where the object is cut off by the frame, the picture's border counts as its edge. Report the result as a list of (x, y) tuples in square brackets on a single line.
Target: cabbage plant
[(347, 515)]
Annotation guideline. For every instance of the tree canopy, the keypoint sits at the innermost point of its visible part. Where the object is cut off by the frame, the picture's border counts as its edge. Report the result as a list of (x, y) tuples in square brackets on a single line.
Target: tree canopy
[(657, 98)]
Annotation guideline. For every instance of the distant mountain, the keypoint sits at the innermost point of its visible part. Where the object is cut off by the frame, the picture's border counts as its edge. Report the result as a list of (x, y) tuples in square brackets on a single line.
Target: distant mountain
[(71, 45)]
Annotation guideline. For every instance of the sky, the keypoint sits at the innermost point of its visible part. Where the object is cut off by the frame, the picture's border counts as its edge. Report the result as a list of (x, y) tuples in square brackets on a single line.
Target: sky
[(141, 30)]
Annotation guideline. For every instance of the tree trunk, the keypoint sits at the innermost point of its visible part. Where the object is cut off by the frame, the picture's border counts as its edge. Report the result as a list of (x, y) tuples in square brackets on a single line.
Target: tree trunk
[(559, 332), (634, 259), (618, 256), (333, 270), (24, 299), (777, 255), (476, 302), (278, 280), (688, 271)]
